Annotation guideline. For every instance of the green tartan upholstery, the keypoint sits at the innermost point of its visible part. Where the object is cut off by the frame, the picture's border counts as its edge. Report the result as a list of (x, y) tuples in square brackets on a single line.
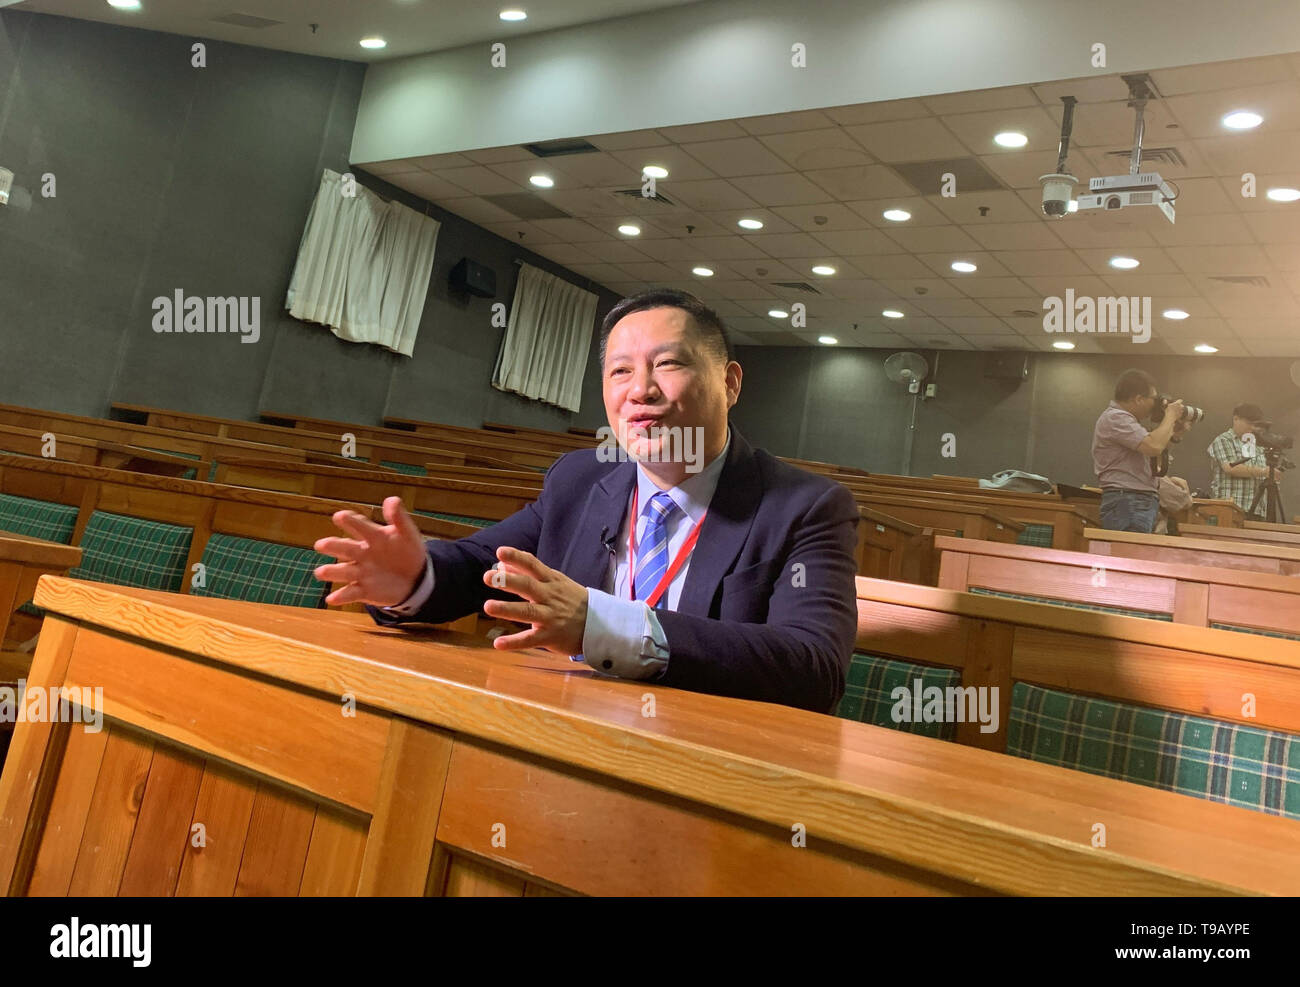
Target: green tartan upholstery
[(262, 571), (407, 468), (478, 522), (37, 518), (1213, 519), (1036, 534), (872, 678), (1211, 759), (130, 551), (1073, 604), (1255, 630)]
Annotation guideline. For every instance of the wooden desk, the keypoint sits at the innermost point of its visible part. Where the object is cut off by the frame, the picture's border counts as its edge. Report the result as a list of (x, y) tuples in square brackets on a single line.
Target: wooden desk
[(468, 770), (1219, 552), (23, 560)]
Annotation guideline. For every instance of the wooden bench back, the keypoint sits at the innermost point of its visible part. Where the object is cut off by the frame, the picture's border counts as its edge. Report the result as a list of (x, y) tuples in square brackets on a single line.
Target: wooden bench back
[(1219, 553)]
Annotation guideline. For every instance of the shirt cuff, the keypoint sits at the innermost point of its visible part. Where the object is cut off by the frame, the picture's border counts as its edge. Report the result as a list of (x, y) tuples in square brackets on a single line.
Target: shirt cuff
[(412, 604), (623, 638)]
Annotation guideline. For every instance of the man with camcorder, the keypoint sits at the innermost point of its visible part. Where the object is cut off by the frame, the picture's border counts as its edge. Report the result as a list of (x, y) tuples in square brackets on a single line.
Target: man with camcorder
[(1125, 453), (1246, 460)]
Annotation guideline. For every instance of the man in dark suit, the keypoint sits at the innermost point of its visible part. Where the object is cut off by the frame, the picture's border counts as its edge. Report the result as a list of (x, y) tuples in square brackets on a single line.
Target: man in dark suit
[(735, 575)]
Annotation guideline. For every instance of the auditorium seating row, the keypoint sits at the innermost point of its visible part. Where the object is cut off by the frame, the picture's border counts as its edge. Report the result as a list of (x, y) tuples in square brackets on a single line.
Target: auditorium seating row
[(464, 772)]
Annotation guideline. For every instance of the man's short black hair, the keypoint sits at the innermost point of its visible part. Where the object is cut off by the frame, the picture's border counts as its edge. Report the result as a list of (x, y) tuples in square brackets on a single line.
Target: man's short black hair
[(707, 325), (1249, 412), (1133, 384)]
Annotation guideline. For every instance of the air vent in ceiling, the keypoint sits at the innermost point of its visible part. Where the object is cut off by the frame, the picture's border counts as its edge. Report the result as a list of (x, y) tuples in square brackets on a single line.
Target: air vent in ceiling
[(246, 20), (556, 148), (635, 193), (939, 342), (803, 286), (1024, 313), (1161, 155), (526, 205), (1246, 280), (927, 176)]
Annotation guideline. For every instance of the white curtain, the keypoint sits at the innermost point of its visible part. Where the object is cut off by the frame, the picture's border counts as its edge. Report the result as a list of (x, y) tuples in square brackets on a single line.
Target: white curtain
[(548, 336), (363, 266)]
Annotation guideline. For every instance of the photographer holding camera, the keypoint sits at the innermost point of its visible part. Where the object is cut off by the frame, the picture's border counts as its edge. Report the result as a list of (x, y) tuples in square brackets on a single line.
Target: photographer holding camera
[(1237, 466), (1123, 449)]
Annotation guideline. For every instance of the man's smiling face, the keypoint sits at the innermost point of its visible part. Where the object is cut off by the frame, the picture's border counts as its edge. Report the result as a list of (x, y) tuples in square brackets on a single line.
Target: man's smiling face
[(659, 373)]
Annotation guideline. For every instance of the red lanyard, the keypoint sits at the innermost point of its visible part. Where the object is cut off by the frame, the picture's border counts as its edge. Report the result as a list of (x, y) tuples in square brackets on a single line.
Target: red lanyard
[(682, 554)]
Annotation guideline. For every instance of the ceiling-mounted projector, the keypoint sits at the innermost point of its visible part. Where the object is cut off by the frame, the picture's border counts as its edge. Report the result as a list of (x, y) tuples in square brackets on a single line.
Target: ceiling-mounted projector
[(1121, 191)]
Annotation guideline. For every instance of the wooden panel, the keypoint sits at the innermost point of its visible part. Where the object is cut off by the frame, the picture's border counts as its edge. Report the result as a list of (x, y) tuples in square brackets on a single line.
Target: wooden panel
[(468, 878), (32, 764), (271, 729), (338, 841), (114, 808), (1074, 583), (1254, 608), (275, 850), (926, 635), (988, 666), (224, 808), (1202, 685), (163, 828), (583, 832), (399, 849), (61, 837)]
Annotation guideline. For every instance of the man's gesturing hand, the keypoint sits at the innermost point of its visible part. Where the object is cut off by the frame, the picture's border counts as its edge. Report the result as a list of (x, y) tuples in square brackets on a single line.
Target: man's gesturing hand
[(556, 606), (380, 564)]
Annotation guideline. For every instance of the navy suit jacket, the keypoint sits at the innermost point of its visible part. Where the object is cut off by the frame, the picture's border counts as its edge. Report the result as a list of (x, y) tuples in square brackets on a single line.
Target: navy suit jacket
[(768, 610)]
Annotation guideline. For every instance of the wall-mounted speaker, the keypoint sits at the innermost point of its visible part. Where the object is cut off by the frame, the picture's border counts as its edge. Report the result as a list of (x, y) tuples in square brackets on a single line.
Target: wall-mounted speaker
[(473, 278), (1007, 366)]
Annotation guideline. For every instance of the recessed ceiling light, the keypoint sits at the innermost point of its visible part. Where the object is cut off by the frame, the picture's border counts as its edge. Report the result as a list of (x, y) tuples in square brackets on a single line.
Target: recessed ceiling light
[(542, 181), (125, 4), (897, 215), (1283, 194), (1205, 348), (776, 313), (1063, 344), (704, 272), (963, 266), (823, 269), (892, 313), (373, 43), (751, 224), (1242, 120), (1124, 263), (629, 229), (1011, 138), (827, 340), (1174, 313), (655, 171), (513, 14)]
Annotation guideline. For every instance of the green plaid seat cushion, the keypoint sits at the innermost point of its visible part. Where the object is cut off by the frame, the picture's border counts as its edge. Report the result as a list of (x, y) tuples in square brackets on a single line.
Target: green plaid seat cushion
[(262, 571), (1256, 630), (1036, 534), (407, 468), (130, 551), (1211, 759), (1212, 519), (37, 518), (478, 522), (872, 679), (1073, 604)]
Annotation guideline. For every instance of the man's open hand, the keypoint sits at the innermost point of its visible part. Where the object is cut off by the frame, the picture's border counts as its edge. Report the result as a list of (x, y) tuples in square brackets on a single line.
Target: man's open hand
[(555, 606), (379, 564)]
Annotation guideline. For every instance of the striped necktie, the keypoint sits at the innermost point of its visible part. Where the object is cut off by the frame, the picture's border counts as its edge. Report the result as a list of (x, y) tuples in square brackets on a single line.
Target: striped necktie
[(653, 547)]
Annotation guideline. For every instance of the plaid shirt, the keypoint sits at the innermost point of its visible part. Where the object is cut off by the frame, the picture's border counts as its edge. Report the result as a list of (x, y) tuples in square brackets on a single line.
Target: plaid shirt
[(1224, 450)]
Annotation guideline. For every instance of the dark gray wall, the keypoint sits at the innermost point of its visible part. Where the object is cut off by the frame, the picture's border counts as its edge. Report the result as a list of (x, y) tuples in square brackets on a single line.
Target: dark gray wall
[(846, 411), (170, 176)]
